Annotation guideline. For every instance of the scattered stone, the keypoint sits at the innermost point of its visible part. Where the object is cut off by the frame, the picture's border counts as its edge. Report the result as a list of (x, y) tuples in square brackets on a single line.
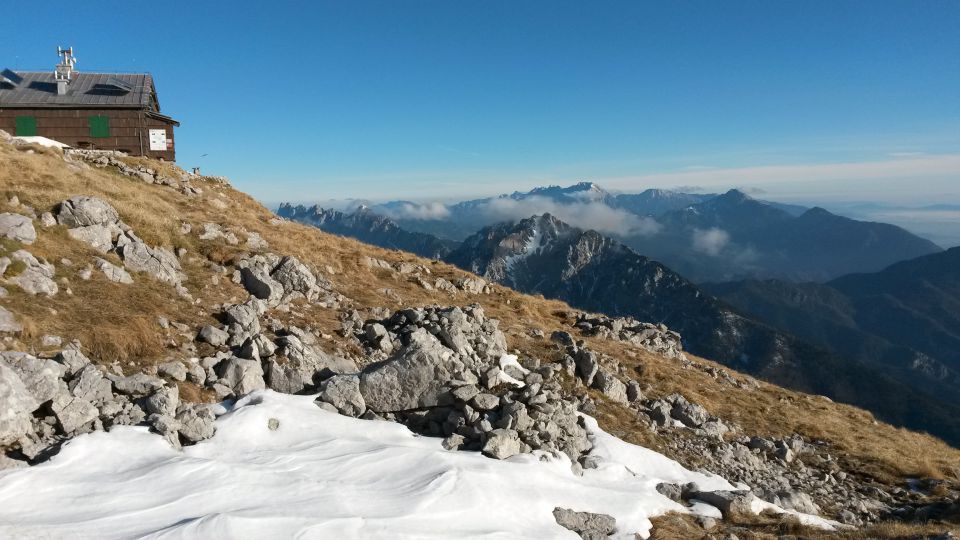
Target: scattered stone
[(587, 524), (652, 337), (99, 237), (48, 340), (17, 228), (8, 323), (196, 422), (113, 272), (730, 503), (160, 263), (502, 443), (163, 402), (36, 276), (241, 376), (343, 392), (453, 442), (16, 406), (175, 370), (84, 211), (136, 385), (611, 387), (670, 491), (213, 335), (799, 501)]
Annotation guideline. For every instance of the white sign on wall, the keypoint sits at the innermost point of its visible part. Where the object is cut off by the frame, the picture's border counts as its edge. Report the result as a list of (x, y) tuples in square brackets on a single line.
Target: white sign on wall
[(158, 139)]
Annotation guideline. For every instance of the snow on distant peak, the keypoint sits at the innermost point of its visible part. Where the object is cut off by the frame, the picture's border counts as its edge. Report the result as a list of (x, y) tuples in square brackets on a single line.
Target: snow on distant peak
[(322, 475)]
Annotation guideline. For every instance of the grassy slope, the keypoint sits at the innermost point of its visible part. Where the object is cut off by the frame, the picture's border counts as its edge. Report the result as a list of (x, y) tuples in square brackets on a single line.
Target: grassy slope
[(118, 323)]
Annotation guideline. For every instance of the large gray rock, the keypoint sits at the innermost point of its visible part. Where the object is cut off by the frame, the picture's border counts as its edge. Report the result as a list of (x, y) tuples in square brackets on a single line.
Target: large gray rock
[(587, 365), (586, 524), (99, 237), (8, 323), (213, 335), (113, 272), (298, 367), (294, 276), (799, 501), (16, 406), (18, 228), (730, 503), (246, 316), (610, 386), (160, 263), (72, 361), (41, 377), (136, 385), (304, 371), (36, 277), (343, 392), (690, 414), (83, 211), (175, 370), (196, 422), (411, 379), (75, 414), (261, 285), (164, 401), (502, 443), (659, 411), (90, 385), (241, 376)]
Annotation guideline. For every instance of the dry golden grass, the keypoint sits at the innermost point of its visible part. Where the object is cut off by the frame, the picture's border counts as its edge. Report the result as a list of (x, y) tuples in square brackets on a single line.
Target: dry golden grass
[(125, 316), (767, 526)]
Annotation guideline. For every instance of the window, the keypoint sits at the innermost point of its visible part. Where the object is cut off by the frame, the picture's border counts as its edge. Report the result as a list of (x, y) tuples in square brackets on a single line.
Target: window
[(26, 126), (99, 126)]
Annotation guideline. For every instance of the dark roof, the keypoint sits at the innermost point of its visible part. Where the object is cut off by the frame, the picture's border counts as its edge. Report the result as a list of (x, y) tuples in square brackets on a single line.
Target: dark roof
[(39, 90)]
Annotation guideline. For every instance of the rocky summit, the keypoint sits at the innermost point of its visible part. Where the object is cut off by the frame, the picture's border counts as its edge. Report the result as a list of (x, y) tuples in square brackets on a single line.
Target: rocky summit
[(214, 345)]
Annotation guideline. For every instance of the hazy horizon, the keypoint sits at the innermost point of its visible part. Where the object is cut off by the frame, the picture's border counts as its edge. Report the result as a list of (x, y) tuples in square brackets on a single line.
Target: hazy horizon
[(939, 222)]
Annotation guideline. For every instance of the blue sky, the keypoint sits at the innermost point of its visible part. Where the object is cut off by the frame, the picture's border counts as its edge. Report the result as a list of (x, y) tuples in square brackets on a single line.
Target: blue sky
[(831, 100)]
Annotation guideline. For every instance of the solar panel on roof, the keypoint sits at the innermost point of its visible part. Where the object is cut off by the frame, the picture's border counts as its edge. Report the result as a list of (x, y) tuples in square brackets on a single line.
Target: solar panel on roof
[(10, 76), (123, 85)]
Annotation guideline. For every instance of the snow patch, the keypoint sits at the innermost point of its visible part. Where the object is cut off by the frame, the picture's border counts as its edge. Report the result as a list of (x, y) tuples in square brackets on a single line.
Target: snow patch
[(322, 475)]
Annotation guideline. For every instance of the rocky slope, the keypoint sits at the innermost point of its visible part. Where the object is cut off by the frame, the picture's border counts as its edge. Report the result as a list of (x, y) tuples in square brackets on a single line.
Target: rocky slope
[(546, 256), (137, 294), (903, 317)]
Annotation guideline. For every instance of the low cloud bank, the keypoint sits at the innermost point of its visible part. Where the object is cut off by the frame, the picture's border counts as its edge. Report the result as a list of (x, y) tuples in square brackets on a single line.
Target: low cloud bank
[(581, 214), (587, 215), (418, 211), (710, 241)]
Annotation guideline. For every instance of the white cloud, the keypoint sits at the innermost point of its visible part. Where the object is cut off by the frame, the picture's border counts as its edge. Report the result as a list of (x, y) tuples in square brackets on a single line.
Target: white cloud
[(419, 211), (710, 241), (593, 215)]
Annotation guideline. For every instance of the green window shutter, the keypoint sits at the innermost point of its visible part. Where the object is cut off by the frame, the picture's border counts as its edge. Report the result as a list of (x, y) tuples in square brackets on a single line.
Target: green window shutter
[(99, 126), (26, 126)]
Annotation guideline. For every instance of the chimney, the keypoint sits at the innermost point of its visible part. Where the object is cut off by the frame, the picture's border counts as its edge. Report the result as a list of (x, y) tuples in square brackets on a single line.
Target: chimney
[(64, 72)]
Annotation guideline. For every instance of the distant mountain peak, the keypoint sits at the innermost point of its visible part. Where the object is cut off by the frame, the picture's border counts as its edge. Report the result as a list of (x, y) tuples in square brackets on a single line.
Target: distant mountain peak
[(735, 195), (818, 211), (578, 189), (585, 186)]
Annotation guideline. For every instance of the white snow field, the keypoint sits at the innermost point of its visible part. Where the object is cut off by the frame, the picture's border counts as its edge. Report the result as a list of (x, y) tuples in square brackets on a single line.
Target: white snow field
[(322, 475)]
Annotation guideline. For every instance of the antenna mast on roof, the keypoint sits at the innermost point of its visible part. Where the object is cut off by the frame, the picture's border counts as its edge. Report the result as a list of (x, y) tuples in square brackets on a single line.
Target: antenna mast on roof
[(64, 72)]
